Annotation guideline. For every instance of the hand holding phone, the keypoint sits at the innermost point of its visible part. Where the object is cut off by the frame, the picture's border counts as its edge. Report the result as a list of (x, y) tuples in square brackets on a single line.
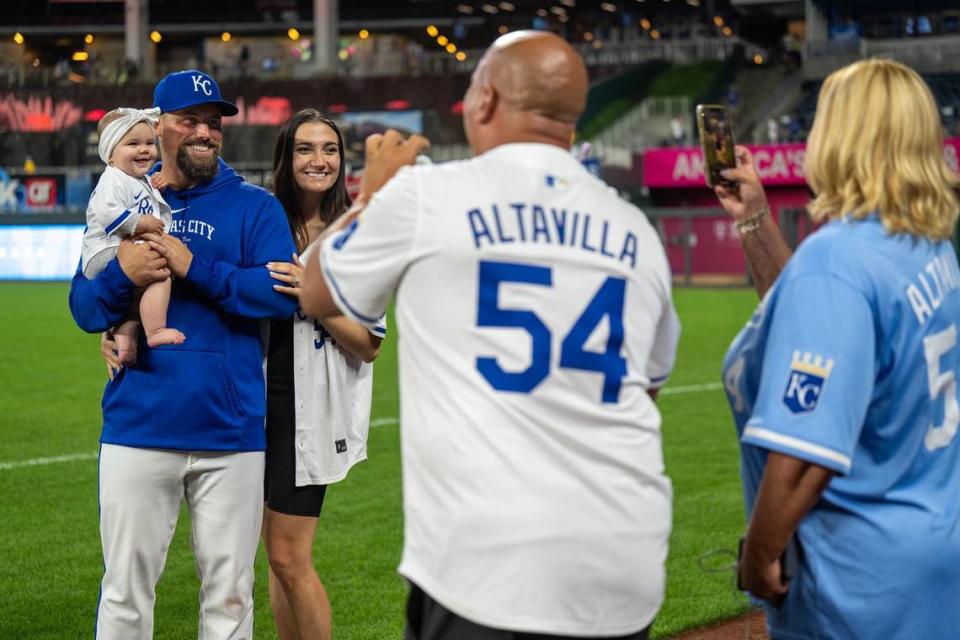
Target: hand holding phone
[(789, 564), (747, 198), (716, 141)]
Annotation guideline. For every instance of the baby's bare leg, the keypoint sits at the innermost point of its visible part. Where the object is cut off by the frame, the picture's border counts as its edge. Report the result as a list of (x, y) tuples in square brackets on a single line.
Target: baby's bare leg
[(153, 313), (126, 337)]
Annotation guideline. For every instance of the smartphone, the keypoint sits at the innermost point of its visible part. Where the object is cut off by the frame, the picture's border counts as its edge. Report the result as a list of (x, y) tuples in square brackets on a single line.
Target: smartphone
[(716, 140)]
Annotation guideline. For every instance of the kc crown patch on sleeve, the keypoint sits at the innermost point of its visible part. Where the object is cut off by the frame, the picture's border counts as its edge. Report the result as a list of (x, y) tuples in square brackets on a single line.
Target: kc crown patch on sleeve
[(808, 375)]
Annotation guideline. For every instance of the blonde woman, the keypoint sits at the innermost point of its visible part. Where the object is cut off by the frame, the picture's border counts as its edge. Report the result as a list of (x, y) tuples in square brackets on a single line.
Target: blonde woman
[(844, 384)]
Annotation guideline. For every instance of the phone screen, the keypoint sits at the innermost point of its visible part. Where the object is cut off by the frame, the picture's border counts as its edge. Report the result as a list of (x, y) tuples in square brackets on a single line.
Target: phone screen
[(716, 139)]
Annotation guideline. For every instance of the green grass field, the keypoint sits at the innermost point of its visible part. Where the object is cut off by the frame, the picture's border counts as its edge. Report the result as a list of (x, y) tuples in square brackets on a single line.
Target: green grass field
[(49, 545)]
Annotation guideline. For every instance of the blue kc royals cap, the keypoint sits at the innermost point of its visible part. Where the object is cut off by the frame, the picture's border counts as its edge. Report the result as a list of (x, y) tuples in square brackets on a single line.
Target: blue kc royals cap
[(189, 88)]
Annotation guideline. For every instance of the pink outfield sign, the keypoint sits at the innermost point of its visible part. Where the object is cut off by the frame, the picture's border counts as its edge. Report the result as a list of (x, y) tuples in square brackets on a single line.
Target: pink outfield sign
[(777, 164)]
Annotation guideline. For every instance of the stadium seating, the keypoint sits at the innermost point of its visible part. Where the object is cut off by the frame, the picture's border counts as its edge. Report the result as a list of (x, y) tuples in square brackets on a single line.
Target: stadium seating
[(945, 88)]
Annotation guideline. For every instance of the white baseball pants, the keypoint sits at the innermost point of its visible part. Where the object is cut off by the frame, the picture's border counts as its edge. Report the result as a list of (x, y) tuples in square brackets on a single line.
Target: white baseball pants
[(140, 495)]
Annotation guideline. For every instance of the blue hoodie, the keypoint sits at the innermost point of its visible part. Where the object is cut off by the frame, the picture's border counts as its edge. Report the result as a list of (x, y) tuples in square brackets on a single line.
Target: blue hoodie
[(208, 393)]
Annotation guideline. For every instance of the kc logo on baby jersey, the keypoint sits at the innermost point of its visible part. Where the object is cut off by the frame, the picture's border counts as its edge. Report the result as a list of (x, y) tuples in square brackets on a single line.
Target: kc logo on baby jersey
[(808, 374)]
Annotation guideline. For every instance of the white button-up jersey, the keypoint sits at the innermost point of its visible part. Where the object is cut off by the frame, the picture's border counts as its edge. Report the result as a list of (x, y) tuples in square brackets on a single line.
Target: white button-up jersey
[(333, 390), (534, 311)]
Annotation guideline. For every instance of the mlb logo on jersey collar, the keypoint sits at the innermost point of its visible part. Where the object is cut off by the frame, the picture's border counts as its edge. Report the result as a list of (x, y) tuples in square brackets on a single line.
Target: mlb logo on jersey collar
[(808, 374), (555, 182)]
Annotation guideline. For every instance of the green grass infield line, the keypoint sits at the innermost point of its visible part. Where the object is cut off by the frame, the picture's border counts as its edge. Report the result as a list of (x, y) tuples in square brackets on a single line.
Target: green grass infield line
[(378, 422), (34, 462)]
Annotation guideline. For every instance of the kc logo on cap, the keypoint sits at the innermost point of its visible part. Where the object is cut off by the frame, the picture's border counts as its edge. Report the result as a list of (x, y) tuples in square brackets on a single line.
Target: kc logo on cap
[(190, 88), (201, 83)]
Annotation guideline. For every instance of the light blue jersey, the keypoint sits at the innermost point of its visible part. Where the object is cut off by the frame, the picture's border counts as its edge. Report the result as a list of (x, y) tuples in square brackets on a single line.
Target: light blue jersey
[(850, 362)]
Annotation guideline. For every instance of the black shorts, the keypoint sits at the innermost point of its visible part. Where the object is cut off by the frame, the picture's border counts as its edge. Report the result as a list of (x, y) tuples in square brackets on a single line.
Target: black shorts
[(280, 490), (427, 619)]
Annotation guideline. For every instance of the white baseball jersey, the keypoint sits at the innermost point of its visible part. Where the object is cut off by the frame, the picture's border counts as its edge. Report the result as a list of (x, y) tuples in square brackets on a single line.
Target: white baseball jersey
[(534, 311), (333, 389), (115, 207)]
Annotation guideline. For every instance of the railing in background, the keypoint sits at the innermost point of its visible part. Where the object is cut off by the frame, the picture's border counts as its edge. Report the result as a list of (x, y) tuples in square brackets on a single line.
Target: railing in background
[(926, 55), (703, 246), (674, 51), (384, 64), (681, 230), (643, 126)]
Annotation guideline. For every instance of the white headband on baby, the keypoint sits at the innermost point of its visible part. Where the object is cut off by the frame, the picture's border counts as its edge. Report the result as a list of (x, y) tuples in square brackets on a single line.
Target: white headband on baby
[(114, 132)]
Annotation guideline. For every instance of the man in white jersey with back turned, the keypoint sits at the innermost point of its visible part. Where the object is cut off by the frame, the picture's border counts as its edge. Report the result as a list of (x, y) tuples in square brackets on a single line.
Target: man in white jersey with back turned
[(536, 324)]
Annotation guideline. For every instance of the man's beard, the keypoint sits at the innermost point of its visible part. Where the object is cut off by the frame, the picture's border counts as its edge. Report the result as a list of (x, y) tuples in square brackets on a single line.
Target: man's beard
[(197, 169)]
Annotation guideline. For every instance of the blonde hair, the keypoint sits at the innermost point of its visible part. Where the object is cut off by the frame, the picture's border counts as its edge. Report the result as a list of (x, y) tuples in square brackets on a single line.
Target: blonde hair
[(107, 118), (877, 145)]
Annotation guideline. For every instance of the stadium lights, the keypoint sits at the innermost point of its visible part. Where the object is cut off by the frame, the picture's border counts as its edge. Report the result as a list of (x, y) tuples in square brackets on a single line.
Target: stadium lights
[(693, 3), (225, 36), (461, 56), (506, 6), (568, 3), (444, 41), (608, 6), (432, 31), (88, 39), (156, 37), (364, 34), (293, 34), (489, 8), (465, 8), (18, 37), (80, 56)]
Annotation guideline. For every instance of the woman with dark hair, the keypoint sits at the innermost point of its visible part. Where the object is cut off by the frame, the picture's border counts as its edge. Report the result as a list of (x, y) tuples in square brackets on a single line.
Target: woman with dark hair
[(323, 198), (319, 383)]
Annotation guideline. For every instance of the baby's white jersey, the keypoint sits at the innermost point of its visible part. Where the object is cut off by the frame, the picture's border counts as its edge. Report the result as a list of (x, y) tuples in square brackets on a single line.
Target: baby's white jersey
[(535, 313), (115, 207)]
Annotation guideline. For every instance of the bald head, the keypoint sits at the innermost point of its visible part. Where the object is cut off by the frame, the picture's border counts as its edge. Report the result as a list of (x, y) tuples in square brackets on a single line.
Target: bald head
[(538, 72), (529, 86)]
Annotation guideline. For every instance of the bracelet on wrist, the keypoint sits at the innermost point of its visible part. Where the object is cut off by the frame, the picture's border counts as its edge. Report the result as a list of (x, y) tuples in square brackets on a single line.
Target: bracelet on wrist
[(751, 224)]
